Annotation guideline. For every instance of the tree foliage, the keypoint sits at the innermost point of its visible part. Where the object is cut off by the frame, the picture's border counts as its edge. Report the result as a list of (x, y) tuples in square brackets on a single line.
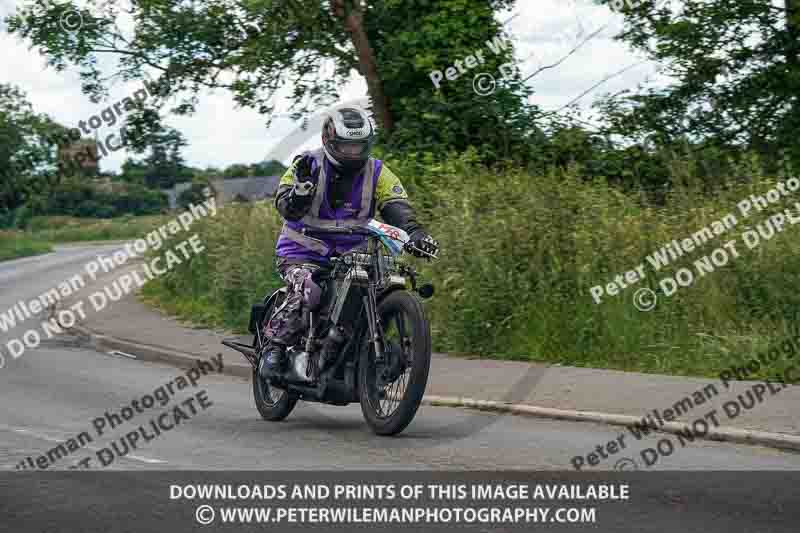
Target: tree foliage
[(734, 69), (242, 170), (253, 48), (162, 165), (27, 154)]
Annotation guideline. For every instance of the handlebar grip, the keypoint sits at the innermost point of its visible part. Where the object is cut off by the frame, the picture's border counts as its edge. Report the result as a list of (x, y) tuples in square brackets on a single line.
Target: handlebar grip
[(303, 188)]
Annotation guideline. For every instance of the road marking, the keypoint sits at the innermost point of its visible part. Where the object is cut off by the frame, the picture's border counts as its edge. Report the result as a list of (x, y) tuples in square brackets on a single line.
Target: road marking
[(42, 436), (117, 353)]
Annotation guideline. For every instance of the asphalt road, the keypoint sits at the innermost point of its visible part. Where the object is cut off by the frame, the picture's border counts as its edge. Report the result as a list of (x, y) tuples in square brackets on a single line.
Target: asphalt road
[(57, 391)]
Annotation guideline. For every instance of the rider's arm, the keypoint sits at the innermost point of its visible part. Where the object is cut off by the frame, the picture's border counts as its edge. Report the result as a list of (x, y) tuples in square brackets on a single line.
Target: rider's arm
[(392, 203), (289, 204)]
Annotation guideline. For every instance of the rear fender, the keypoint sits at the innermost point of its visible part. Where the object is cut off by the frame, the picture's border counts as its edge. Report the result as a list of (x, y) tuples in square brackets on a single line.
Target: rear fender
[(258, 312)]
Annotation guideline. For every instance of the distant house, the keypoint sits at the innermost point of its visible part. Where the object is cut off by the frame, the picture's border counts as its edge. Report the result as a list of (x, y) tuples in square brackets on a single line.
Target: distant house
[(245, 189), (80, 155), (174, 193), (231, 190)]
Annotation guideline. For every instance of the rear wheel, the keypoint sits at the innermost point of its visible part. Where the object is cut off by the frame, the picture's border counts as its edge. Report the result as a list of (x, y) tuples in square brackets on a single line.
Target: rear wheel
[(391, 390), (273, 403)]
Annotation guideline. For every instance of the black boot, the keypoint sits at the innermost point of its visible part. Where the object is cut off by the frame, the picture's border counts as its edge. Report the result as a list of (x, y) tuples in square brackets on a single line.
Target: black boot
[(331, 345), (273, 359)]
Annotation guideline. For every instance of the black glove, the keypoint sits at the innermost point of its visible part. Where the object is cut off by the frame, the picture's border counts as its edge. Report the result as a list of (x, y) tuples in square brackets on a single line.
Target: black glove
[(422, 245), (305, 180)]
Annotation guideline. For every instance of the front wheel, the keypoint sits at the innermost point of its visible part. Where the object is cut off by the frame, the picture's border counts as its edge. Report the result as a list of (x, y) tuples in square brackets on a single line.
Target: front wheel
[(391, 390)]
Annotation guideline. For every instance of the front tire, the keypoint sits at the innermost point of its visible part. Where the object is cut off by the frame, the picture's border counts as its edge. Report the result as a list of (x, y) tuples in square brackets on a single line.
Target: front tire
[(390, 397)]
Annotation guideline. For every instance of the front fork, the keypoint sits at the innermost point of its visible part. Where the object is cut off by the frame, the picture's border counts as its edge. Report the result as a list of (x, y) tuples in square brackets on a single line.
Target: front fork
[(374, 322)]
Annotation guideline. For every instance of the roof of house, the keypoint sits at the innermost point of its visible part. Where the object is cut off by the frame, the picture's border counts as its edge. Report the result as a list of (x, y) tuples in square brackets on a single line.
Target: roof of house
[(254, 188), (250, 189)]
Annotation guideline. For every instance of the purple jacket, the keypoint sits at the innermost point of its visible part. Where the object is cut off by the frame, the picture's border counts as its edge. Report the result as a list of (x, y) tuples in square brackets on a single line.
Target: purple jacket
[(358, 207)]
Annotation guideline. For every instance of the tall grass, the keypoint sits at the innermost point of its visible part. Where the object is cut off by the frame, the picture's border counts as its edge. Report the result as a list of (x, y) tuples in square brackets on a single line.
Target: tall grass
[(218, 286), (520, 254)]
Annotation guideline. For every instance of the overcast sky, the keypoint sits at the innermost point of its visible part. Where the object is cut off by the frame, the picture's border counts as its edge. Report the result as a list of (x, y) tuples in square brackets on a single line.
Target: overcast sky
[(220, 134)]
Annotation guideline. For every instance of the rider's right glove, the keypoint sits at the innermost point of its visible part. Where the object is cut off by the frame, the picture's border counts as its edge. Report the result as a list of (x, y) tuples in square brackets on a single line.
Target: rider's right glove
[(423, 245)]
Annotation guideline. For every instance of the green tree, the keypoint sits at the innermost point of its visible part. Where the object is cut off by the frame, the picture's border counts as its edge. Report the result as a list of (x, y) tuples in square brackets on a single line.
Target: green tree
[(241, 170), (237, 170), (253, 48), (735, 69), (269, 168), (432, 35), (27, 152), (162, 164)]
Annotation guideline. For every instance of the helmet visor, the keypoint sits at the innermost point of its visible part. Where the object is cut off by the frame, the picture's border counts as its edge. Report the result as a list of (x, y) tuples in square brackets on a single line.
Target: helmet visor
[(352, 150)]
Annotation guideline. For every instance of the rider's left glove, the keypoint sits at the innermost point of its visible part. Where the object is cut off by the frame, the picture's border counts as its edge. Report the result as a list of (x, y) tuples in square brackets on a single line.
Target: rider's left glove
[(423, 245)]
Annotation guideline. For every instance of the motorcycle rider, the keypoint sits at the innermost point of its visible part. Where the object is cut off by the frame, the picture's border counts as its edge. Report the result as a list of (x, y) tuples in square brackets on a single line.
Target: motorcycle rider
[(336, 185)]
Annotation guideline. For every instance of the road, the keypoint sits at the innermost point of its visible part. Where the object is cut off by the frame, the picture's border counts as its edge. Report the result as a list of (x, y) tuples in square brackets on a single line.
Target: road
[(55, 392)]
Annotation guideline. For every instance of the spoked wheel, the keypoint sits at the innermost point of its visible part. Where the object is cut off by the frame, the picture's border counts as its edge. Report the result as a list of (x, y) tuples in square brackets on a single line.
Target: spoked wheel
[(273, 403), (392, 389)]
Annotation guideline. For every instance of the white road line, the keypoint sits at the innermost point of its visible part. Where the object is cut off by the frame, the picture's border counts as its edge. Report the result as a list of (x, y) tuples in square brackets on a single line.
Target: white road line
[(117, 353), (93, 448)]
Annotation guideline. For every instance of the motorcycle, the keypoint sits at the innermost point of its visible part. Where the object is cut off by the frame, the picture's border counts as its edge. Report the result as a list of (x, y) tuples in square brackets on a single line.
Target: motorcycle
[(368, 342)]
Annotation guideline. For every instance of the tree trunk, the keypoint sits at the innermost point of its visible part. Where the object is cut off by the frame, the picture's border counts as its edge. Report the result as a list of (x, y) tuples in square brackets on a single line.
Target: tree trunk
[(352, 15)]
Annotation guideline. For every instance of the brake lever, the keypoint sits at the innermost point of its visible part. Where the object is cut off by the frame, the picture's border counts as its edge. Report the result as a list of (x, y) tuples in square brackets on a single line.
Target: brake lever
[(428, 255)]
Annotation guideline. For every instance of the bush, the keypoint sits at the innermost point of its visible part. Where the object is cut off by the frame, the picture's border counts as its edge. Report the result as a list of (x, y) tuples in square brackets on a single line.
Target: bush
[(521, 252), (237, 268), (139, 200), (73, 198), (192, 195)]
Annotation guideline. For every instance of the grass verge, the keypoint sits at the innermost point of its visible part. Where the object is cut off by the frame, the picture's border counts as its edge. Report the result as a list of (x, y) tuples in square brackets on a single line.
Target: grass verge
[(73, 229), (15, 244)]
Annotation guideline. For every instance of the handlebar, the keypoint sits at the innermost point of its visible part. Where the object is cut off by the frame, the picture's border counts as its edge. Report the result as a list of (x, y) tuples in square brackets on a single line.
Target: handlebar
[(409, 247), (345, 231)]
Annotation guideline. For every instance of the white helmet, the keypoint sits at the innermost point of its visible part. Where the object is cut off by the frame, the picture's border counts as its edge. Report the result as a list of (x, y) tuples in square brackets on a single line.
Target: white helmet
[(347, 137)]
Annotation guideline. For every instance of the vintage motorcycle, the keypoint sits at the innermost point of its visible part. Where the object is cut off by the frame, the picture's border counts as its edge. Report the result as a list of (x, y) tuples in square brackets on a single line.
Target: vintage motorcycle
[(368, 342)]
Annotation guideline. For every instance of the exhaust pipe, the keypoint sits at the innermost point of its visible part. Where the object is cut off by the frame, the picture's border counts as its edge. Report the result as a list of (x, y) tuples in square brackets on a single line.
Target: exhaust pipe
[(247, 351)]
